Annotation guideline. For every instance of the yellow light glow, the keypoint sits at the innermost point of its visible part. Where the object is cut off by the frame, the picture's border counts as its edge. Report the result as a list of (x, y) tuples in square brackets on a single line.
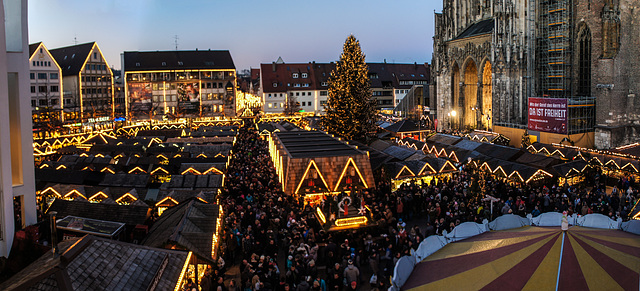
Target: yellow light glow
[(517, 174), (451, 165), (344, 171), (191, 170), (321, 215), (159, 169), (137, 169), (212, 170), (311, 163), (405, 168), (51, 189), (425, 167), (202, 156), (165, 199), (107, 169), (351, 221), (184, 270), (126, 195), (536, 173), (93, 198), (44, 166), (74, 191)]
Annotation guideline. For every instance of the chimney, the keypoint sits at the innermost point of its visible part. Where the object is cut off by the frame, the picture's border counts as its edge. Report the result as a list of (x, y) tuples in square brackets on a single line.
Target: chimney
[(385, 61), (54, 233), (273, 66)]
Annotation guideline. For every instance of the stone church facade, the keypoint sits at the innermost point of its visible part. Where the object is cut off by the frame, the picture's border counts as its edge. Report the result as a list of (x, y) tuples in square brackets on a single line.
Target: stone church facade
[(491, 55)]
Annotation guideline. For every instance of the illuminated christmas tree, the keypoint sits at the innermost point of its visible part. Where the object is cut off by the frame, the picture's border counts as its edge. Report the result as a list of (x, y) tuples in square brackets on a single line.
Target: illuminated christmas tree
[(350, 110)]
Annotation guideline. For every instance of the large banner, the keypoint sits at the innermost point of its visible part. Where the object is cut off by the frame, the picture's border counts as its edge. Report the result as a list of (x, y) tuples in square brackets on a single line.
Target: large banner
[(140, 96), (548, 115)]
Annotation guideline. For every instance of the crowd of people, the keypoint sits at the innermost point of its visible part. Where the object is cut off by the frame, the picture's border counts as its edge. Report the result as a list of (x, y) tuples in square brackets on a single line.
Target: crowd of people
[(278, 243)]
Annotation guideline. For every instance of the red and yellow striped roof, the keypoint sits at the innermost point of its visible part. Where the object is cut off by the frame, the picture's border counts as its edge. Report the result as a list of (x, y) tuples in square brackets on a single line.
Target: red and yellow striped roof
[(534, 258)]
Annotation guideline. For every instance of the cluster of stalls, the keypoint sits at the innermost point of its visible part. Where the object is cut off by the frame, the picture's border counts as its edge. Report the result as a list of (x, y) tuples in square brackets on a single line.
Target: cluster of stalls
[(326, 173), (159, 189), (486, 153)]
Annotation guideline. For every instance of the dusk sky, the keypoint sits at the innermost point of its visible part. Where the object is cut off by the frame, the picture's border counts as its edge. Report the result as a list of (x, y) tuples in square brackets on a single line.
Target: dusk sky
[(254, 31)]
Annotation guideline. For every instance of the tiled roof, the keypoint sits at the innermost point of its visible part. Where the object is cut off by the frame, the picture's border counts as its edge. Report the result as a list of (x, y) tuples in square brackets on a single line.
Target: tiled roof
[(72, 58), (93, 263), (128, 214), (178, 60), (33, 47), (190, 224), (482, 27)]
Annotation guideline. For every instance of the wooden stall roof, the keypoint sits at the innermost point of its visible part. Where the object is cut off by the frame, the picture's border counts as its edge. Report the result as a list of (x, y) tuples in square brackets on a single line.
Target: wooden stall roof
[(311, 144), (190, 224), (128, 214), (93, 263)]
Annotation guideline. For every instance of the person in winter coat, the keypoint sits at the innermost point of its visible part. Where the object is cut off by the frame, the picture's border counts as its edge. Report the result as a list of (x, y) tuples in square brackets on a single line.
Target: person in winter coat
[(352, 273)]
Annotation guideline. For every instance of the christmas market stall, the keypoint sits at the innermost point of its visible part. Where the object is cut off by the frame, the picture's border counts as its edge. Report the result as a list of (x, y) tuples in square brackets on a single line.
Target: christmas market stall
[(317, 169), (191, 225)]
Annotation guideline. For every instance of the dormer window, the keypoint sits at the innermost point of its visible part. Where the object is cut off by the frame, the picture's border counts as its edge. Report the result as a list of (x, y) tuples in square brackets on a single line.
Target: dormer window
[(304, 75), (164, 64), (137, 64), (295, 75), (180, 64), (73, 56), (275, 84)]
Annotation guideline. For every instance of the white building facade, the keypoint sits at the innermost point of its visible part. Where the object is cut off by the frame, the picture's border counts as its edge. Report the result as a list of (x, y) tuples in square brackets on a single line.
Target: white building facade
[(46, 85), (17, 181)]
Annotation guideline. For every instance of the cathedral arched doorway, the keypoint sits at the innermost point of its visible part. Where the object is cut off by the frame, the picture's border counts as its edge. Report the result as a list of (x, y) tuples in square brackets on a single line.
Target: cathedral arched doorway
[(487, 100), (470, 95), (455, 98)]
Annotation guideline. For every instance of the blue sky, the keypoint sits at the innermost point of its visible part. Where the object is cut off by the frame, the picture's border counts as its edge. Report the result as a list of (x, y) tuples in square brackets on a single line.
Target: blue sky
[(254, 31)]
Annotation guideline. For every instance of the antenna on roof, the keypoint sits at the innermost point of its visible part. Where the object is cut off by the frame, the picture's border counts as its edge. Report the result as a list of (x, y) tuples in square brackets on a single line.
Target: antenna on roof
[(175, 39), (75, 39)]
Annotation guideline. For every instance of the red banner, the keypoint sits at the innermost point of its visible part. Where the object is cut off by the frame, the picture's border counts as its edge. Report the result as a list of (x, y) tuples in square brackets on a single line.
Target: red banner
[(548, 115)]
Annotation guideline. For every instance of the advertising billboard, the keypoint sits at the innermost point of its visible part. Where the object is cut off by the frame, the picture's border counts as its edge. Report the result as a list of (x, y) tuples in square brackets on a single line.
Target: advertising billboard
[(140, 96), (548, 115)]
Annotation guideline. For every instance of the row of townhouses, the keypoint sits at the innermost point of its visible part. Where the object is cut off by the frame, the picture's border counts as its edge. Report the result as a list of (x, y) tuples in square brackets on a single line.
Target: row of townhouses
[(308, 83), (76, 84)]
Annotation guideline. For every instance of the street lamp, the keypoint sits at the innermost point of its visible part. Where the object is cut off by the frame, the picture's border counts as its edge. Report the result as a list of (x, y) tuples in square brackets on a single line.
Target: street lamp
[(453, 114)]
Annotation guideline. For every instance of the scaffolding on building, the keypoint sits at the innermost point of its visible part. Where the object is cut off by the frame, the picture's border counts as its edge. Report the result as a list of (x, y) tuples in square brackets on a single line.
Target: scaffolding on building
[(554, 47)]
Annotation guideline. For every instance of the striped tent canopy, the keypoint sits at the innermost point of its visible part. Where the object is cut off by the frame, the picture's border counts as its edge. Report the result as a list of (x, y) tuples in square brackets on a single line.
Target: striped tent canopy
[(533, 258)]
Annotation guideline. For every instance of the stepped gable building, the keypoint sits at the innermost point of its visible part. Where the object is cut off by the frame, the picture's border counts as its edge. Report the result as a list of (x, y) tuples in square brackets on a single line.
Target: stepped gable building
[(180, 82), (491, 56), (87, 82), (46, 86)]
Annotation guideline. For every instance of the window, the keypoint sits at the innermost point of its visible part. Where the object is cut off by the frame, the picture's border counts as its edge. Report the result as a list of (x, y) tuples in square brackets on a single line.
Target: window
[(270, 105), (324, 84), (280, 94), (33, 89), (324, 93), (137, 64), (397, 91), (54, 101), (275, 84), (43, 102), (297, 93), (303, 93), (42, 76), (180, 64), (34, 63), (323, 103), (53, 76), (295, 75), (584, 61), (53, 89), (164, 64), (296, 85), (304, 75), (269, 95), (32, 76), (33, 103), (42, 89), (95, 56)]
